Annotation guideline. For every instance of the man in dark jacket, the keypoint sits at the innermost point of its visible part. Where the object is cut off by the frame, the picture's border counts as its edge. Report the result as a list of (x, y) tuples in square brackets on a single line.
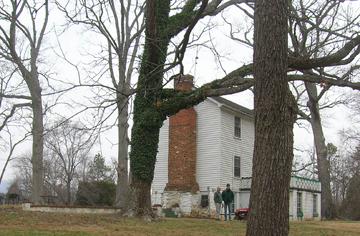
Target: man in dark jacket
[(228, 198)]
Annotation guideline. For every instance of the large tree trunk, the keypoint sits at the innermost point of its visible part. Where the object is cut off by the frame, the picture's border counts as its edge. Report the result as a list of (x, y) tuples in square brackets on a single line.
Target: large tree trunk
[(144, 145), (68, 192), (122, 168), (142, 198), (275, 114), (37, 147), (148, 116), (327, 206)]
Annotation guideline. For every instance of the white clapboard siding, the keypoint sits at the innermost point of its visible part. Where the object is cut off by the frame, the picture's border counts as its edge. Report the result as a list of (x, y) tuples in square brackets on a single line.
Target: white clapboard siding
[(208, 145), (247, 143), (161, 166), (232, 146)]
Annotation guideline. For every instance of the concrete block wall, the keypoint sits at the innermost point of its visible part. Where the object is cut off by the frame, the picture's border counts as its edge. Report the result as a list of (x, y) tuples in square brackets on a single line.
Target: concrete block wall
[(307, 205), (70, 209)]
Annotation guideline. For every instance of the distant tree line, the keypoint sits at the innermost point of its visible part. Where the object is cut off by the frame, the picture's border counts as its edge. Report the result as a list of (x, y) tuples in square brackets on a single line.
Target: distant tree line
[(93, 185)]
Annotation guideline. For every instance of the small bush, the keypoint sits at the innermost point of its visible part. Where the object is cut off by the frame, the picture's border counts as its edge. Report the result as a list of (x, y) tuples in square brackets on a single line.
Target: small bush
[(96, 193)]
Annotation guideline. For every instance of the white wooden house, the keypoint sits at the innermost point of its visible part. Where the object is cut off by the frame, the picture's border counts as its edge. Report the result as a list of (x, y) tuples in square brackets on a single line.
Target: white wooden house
[(224, 150)]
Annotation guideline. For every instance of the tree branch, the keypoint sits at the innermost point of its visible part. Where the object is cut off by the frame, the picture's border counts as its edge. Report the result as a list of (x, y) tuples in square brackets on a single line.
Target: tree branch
[(330, 60), (12, 112)]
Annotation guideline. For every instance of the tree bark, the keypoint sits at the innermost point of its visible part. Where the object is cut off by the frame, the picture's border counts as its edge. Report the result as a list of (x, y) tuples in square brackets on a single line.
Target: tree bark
[(142, 198), (327, 206), (122, 168), (68, 192), (38, 144), (275, 113)]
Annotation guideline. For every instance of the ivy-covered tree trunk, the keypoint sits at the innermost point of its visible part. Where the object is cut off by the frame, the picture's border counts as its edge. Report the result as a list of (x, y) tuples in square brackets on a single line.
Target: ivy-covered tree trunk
[(147, 118), (275, 114)]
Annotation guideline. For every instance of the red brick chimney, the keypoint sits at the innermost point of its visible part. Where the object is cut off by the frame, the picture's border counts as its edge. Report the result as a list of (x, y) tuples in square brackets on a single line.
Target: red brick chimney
[(182, 145)]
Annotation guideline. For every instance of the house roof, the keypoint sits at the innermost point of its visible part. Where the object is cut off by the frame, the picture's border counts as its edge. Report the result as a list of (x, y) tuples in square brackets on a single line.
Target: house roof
[(233, 106)]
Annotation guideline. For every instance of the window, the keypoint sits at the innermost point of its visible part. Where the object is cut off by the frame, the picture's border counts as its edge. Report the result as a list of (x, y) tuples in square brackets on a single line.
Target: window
[(299, 202), (314, 204), (204, 200), (237, 127), (237, 167)]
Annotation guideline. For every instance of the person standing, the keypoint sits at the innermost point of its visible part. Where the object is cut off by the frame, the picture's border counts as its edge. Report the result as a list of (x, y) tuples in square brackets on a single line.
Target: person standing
[(218, 202), (228, 198)]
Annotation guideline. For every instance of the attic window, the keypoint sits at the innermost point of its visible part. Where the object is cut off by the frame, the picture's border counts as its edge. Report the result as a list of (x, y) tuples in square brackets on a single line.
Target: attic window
[(237, 127)]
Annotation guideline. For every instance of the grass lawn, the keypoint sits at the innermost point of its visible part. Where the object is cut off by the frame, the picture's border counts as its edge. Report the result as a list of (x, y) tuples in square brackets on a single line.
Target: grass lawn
[(14, 221)]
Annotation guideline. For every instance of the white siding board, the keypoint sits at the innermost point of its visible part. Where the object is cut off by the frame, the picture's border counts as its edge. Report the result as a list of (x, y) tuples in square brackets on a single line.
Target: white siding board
[(208, 145), (161, 165), (247, 143)]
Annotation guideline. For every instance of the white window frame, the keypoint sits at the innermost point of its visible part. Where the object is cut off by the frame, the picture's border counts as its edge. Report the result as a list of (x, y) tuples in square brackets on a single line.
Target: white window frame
[(314, 203), (237, 127), (237, 158), (299, 202)]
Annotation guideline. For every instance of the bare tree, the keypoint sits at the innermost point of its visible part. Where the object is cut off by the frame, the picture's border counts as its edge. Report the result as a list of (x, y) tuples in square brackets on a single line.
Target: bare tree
[(351, 206), (54, 183), (317, 36), (120, 24), (22, 31), (347, 170), (54, 175), (314, 34), (305, 167), (10, 148), (340, 175), (70, 145), (23, 173)]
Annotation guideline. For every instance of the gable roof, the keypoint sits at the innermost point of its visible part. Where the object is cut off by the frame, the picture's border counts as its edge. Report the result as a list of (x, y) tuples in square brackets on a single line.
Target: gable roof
[(233, 106)]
